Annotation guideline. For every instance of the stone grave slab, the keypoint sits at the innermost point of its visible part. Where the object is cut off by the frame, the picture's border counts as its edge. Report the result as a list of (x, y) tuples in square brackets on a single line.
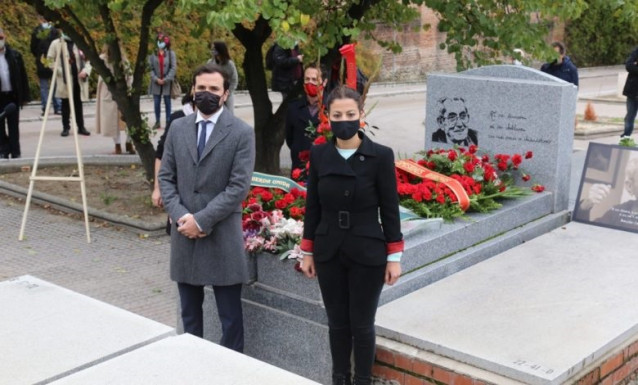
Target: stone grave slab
[(184, 359), (48, 332), (537, 313)]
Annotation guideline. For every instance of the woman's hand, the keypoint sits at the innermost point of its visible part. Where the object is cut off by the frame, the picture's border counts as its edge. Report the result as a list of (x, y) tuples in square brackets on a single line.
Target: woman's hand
[(308, 266), (156, 197), (392, 272)]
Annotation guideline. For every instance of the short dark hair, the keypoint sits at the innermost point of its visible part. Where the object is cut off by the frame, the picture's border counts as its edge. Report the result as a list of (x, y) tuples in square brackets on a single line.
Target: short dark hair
[(314, 67), (212, 68), (222, 51), (344, 92), (561, 47)]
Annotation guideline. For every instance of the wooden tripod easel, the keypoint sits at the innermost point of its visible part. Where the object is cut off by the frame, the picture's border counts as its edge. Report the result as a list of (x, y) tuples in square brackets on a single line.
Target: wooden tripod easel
[(80, 178)]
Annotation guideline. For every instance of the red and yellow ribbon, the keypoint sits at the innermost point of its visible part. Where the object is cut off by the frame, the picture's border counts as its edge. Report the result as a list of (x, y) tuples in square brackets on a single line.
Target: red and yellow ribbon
[(417, 170)]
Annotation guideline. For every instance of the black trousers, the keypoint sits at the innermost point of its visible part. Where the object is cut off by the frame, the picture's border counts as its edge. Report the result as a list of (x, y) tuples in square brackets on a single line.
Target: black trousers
[(228, 300), (9, 137), (77, 105), (351, 294)]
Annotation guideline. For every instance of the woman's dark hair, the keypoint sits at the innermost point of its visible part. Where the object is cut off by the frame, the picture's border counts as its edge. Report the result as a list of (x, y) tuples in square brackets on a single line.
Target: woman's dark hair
[(212, 68), (188, 98), (222, 51), (344, 92)]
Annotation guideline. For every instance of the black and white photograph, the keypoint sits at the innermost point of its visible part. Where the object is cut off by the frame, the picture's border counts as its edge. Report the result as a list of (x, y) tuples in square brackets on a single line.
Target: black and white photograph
[(609, 187)]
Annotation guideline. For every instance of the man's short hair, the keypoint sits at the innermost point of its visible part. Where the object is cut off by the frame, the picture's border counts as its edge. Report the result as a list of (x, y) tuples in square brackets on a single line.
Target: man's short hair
[(561, 47), (212, 68)]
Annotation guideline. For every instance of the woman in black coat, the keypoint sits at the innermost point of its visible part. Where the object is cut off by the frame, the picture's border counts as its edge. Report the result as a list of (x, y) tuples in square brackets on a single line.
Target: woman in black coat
[(352, 234)]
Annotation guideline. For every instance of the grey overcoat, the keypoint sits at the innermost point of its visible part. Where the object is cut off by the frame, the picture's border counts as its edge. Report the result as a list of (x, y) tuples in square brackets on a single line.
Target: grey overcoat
[(212, 189), (170, 70)]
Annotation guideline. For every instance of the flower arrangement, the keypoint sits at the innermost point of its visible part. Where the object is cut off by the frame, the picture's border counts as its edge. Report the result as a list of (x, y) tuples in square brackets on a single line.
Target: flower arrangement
[(485, 179), (272, 221)]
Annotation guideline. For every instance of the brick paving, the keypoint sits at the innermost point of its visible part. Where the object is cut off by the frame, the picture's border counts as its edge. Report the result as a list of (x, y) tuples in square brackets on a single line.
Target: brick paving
[(119, 267)]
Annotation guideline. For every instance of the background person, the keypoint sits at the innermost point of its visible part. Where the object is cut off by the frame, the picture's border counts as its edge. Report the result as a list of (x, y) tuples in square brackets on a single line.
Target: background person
[(221, 57), (41, 38), (80, 70), (163, 67), (206, 169), (631, 92), (351, 185), (562, 68), (301, 113), (287, 69), (108, 119), (14, 88), (187, 109)]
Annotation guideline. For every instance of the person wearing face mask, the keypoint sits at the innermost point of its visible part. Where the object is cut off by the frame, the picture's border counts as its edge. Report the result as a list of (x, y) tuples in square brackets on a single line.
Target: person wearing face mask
[(14, 89), (352, 239), (80, 70), (221, 57), (163, 66), (204, 176), (301, 114), (41, 38)]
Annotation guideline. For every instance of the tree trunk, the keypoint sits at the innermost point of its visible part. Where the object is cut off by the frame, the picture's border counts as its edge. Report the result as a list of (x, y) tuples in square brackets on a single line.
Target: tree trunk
[(269, 127), (138, 131)]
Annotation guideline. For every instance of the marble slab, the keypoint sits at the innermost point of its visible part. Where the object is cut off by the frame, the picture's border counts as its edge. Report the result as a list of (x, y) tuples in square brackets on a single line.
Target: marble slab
[(537, 313), (48, 332), (184, 359)]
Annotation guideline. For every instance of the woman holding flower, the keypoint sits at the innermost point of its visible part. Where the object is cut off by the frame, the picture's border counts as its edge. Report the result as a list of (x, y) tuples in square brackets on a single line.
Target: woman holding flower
[(351, 185)]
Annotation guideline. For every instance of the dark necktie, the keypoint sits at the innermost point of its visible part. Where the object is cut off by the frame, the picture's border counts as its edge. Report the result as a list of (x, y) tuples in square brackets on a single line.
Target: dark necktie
[(202, 138)]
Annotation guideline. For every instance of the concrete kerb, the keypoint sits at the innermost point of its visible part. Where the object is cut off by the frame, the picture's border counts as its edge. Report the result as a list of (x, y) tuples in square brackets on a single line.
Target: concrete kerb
[(148, 228)]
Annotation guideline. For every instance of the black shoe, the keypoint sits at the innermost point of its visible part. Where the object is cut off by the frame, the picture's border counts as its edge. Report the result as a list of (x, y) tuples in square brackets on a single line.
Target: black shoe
[(83, 131), (42, 113), (341, 379), (15, 156), (65, 132), (58, 112)]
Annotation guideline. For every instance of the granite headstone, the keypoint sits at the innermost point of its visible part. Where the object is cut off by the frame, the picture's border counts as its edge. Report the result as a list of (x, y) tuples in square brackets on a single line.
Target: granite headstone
[(507, 109)]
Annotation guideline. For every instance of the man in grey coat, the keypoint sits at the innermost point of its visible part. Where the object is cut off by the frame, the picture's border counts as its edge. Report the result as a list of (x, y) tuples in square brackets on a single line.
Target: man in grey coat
[(205, 175)]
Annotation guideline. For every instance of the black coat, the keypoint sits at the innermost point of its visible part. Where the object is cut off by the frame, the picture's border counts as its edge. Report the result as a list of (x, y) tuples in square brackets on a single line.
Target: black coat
[(298, 118), (345, 200), (41, 39), (631, 85), (287, 69), (19, 78)]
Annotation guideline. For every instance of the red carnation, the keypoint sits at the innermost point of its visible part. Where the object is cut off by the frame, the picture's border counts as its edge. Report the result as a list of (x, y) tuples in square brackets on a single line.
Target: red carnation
[(529, 155), (296, 173), (526, 177), (469, 167), (516, 160), (281, 204), (440, 198), (502, 165), (538, 188), (266, 196), (472, 149), (320, 140), (304, 155), (451, 155), (295, 212)]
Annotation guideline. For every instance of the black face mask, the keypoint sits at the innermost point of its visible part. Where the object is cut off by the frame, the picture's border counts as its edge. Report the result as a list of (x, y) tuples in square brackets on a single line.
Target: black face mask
[(207, 102), (344, 129)]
